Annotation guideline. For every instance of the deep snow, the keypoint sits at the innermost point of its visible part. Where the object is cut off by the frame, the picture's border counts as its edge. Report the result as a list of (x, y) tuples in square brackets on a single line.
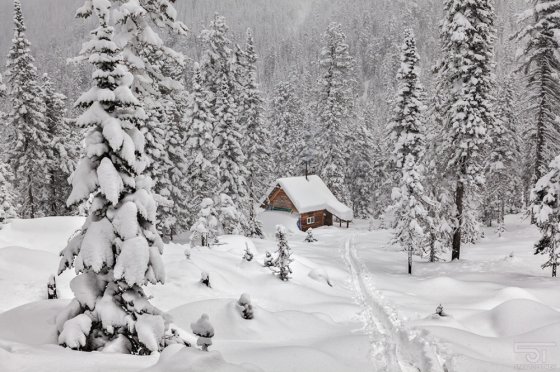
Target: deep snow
[(502, 308)]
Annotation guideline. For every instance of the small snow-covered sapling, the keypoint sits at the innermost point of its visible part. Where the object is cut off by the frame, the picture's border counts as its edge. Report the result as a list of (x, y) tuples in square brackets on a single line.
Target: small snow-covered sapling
[(188, 253), (246, 307), (268, 259), (310, 238), (205, 279), (439, 311), (51, 288), (247, 256), (204, 330), (281, 264)]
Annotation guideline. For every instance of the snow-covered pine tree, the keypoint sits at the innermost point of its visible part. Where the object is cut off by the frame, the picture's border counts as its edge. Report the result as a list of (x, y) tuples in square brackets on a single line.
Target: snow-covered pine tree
[(281, 263), (545, 200), (202, 168), (231, 158), (503, 177), (63, 149), (28, 136), (361, 171), (118, 249), (8, 197), (464, 83), (256, 141), (540, 62), (336, 110), (221, 82), (287, 119), (407, 132), (157, 86)]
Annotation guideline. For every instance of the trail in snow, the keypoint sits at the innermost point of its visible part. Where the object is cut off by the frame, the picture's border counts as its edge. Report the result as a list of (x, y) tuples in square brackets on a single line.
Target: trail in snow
[(393, 347)]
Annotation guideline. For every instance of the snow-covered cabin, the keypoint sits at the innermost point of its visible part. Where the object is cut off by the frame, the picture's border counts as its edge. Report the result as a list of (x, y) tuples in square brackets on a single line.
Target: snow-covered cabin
[(309, 197)]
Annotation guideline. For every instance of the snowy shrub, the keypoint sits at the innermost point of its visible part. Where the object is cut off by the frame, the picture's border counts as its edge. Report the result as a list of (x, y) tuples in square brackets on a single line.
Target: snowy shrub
[(245, 306), (439, 311), (310, 238), (281, 264), (268, 259), (247, 255), (205, 279), (187, 253), (51, 288), (205, 229), (229, 216), (204, 330)]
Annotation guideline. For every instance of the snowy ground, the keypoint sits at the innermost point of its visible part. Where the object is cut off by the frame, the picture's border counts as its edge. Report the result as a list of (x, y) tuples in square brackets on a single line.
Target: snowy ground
[(503, 311)]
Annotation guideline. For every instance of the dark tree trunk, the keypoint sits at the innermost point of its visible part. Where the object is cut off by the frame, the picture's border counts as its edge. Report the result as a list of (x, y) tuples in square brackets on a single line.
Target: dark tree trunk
[(410, 261), (459, 196), (31, 198)]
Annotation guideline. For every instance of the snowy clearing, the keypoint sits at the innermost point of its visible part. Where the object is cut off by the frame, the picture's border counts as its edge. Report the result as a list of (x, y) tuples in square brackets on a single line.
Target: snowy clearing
[(373, 318)]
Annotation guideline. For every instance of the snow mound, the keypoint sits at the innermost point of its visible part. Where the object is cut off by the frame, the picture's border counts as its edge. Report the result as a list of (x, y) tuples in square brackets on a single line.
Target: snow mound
[(512, 318), (33, 323), (177, 358), (266, 326)]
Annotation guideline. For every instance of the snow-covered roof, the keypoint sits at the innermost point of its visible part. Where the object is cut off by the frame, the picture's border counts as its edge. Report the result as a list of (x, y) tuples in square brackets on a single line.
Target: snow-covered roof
[(311, 194)]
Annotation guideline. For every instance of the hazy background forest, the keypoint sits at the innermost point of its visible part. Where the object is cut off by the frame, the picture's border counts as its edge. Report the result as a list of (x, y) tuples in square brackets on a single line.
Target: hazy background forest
[(287, 35)]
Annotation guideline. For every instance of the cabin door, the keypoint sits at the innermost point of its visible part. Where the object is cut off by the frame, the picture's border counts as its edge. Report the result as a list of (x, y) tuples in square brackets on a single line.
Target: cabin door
[(328, 218)]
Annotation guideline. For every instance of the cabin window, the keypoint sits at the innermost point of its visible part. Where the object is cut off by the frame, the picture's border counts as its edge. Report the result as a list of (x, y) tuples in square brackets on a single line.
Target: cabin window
[(310, 220)]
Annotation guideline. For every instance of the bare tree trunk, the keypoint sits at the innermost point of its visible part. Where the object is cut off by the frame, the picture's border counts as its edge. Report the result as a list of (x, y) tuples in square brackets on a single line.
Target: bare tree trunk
[(459, 196), (410, 260)]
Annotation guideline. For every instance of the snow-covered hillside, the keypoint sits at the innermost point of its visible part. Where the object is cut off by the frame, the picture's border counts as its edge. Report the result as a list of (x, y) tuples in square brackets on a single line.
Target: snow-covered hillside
[(498, 304)]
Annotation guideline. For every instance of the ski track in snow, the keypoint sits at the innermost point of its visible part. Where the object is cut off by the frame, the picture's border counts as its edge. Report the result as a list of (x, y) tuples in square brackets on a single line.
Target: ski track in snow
[(394, 348)]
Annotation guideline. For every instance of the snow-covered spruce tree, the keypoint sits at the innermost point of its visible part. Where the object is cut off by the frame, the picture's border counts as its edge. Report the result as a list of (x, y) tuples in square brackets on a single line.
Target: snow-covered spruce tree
[(407, 134), (281, 263), (465, 82), (137, 24), (336, 110), (63, 149), (545, 199), (286, 120), (256, 141), (28, 136), (361, 171), (118, 249), (502, 174), (202, 169), (246, 306), (221, 82), (540, 62), (8, 203)]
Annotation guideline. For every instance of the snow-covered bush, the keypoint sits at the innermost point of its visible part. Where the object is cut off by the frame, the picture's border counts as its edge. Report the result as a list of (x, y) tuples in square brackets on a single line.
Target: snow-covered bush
[(51, 288), (205, 229), (204, 330), (268, 259), (310, 238), (439, 311), (187, 253), (205, 279), (245, 306), (247, 254), (281, 264), (229, 216)]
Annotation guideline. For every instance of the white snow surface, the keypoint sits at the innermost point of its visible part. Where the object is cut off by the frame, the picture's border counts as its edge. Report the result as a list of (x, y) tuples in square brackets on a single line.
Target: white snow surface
[(501, 307), (311, 194)]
